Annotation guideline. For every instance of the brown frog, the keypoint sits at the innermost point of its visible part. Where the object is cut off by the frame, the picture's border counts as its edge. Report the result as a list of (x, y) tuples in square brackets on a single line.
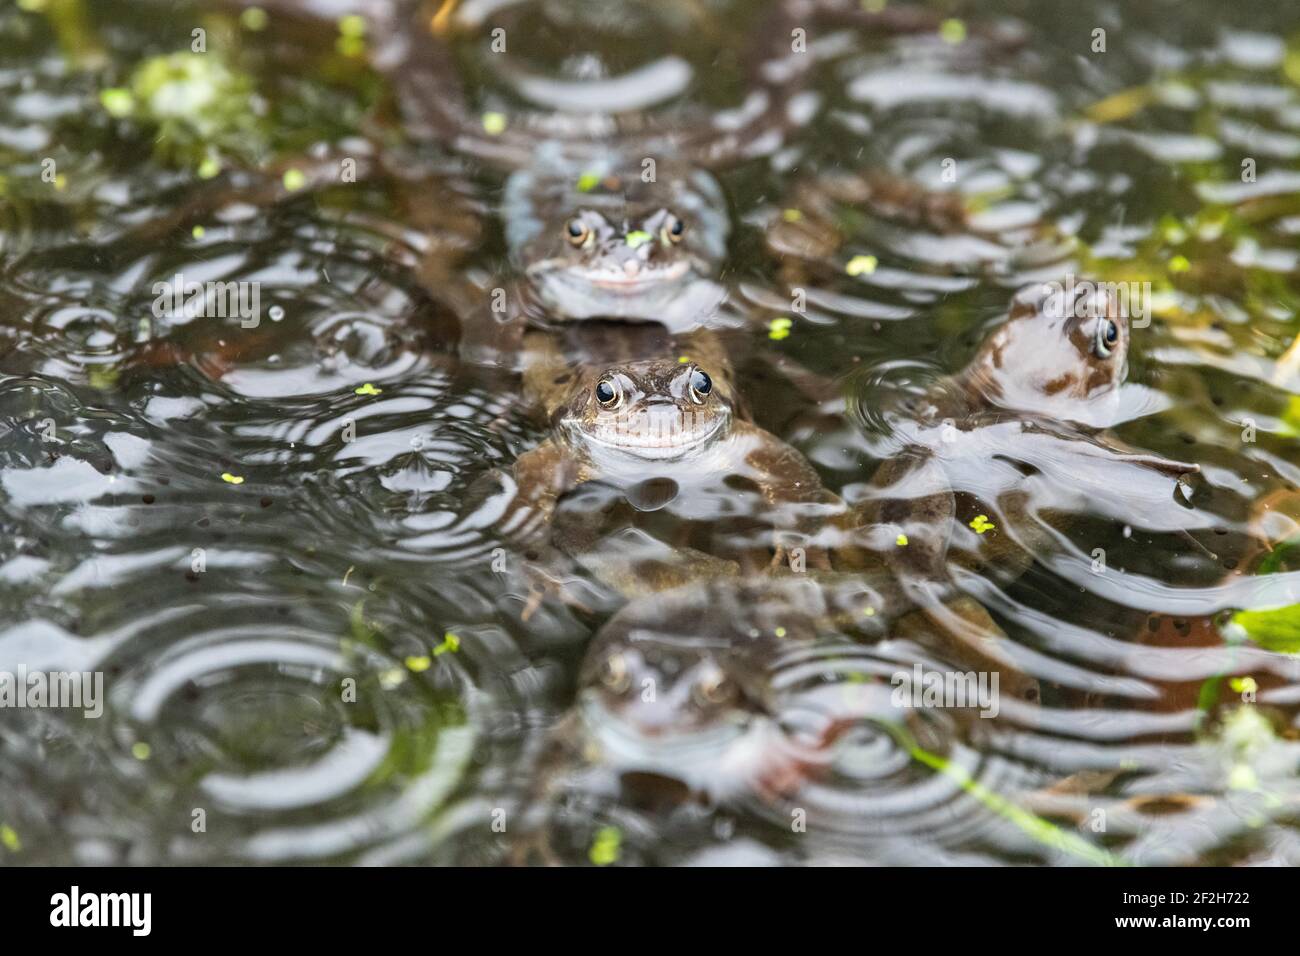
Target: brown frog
[(612, 212), (660, 426), (681, 696), (1025, 415)]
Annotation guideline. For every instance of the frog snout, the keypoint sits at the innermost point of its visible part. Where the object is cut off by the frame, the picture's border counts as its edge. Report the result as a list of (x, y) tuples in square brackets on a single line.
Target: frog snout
[(628, 259)]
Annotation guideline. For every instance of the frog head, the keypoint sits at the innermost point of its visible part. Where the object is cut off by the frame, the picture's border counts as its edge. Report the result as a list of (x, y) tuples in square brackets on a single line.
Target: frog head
[(614, 239), (656, 410), (1063, 352), (660, 686)]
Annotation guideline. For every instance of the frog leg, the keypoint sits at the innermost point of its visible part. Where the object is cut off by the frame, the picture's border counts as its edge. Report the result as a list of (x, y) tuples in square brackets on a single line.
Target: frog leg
[(911, 527), (785, 478), (541, 478), (972, 638), (920, 520)]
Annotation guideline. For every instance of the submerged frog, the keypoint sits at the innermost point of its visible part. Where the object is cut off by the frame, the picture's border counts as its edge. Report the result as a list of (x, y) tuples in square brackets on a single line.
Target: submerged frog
[(676, 706), (681, 696), (972, 451), (664, 432)]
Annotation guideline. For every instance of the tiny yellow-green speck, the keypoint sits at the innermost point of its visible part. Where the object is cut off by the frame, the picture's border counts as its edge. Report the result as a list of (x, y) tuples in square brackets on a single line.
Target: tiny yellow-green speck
[(198, 232), (350, 46), (209, 167), (605, 848), (294, 179), (981, 523), (419, 664), (1243, 777), (952, 30), (353, 25), (870, 612), (780, 632), (231, 479), (901, 541), (494, 124), (588, 181), (1243, 685), (861, 265), (683, 359), (874, 6), (637, 238), (141, 750), (254, 18), (791, 215), (450, 642), (391, 678), (779, 329), (60, 182), (118, 102), (1179, 264), (9, 837), (368, 389), (33, 6)]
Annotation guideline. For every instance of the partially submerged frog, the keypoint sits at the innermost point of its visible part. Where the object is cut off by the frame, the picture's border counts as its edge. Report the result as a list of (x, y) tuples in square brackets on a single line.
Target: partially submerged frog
[(969, 452), (681, 696), (676, 704), (608, 212), (612, 243), (665, 432)]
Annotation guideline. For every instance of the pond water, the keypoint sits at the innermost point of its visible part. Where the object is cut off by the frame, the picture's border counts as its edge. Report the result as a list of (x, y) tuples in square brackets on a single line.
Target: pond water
[(268, 530)]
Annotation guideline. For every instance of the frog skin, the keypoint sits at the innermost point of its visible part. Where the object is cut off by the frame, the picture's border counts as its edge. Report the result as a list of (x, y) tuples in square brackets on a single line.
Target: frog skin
[(677, 693), (675, 701), (667, 427), (1033, 400)]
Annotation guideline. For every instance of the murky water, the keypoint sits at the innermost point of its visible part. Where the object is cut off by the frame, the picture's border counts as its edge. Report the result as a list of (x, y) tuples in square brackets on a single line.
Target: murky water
[(318, 645)]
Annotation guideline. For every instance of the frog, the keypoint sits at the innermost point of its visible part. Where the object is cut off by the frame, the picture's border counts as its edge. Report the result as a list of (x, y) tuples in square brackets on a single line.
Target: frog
[(656, 422), (615, 212), (679, 702), (1037, 397)]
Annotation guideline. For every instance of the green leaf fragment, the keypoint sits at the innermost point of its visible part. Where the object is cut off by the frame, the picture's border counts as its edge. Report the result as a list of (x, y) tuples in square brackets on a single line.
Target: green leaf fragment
[(117, 102), (952, 31), (606, 846), (9, 838), (1033, 825), (254, 19), (861, 265), (1274, 630)]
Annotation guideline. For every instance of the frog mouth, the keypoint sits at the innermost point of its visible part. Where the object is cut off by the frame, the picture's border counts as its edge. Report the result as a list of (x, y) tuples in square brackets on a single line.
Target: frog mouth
[(613, 278), (675, 746), (658, 437)]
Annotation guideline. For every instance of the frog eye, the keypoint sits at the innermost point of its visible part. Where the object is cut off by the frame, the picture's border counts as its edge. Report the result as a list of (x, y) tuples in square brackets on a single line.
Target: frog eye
[(673, 229), (714, 688), (1107, 338), (608, 393), (701, 386), (577, 231), (615, 676)]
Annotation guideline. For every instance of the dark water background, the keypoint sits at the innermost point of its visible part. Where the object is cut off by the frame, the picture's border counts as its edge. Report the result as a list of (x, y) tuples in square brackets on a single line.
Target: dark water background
[(226, 615)]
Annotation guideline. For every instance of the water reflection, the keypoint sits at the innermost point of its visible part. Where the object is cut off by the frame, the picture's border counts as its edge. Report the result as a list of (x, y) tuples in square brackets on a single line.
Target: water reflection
[(318, 646)]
